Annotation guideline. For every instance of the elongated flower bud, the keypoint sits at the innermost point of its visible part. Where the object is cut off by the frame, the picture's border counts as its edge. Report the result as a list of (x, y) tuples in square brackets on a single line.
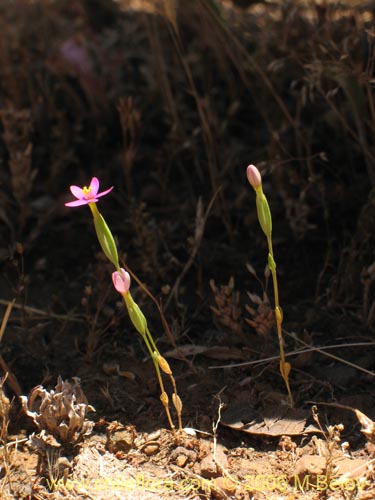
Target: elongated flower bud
[(121, 281), (254, 177), (105, 236), (264, 213), (136, 315)]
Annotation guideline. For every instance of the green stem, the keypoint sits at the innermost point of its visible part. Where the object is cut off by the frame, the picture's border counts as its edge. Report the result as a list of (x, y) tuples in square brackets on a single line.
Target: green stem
[(278, 317), (154, 353)]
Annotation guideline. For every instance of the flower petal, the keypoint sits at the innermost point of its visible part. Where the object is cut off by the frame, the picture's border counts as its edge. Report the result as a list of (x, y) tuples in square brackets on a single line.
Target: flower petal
[(78, 203), (77, 192), (121, 281), (254, 177), (104, 192), (94, 185)]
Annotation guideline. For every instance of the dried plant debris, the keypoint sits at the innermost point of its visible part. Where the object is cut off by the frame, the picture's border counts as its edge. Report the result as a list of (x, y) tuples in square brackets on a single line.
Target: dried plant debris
[(367, 281), (368, 426), (17, 138), (227, 310), (262, 318), (120, 438), (60, 416), (275, 420), (4, 402), (146, 238)]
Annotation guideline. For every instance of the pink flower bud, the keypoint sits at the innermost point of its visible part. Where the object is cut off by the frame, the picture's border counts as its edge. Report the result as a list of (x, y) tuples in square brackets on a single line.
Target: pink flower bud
[(254, 177), (121, 281)]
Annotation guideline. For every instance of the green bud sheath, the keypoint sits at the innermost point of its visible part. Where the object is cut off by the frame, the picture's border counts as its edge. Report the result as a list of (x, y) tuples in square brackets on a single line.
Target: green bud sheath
[(105, 236), (135, 314), (279, 314), (271, 262), (264, 213)]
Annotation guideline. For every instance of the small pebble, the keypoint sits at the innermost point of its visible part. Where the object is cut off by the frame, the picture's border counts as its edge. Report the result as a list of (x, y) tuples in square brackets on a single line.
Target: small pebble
[(150, 449), (181, 460)]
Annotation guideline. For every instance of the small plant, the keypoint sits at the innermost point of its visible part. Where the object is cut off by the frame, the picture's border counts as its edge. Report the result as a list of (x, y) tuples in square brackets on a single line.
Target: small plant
[(60, 413), (265, 221), (332, 439), (60, 417), (121, 281)]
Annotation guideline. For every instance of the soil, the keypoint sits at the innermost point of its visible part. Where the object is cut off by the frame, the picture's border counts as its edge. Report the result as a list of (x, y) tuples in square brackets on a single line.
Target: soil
[(169, 106)]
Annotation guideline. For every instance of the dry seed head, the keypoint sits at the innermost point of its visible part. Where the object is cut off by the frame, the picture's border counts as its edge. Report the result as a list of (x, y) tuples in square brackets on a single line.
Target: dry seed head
[(164, 366), (262, 316), (227, 309), (164, 398), (177, 403)]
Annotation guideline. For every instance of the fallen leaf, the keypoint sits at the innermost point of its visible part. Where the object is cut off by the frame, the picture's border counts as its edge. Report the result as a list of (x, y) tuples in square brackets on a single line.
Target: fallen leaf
[(272, 421), (213, 352)]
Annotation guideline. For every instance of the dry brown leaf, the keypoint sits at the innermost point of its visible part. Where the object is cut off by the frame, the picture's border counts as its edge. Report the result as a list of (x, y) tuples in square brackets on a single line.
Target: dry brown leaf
[(272, 421), (214, 352)]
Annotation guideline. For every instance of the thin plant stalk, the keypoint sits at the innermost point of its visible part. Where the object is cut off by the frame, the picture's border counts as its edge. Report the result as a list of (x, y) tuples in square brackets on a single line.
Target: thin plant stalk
[(265, 221), (285, 367), (121, 281), (140, 323)]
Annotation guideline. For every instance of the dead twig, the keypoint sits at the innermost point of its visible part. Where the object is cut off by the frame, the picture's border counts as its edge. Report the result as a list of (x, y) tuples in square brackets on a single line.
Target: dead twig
[(201, 221)]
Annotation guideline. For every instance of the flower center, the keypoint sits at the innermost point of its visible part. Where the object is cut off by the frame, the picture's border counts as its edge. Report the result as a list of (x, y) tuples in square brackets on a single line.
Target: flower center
[(86, 192)]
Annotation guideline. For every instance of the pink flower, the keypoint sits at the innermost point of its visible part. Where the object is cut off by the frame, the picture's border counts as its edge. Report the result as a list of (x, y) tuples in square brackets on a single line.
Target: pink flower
[(253, 176), (76, 54), (86, 194), (121, 281)]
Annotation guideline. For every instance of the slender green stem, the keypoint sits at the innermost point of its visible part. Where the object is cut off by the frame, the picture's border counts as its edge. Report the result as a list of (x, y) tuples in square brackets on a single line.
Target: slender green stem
[(151, 340), (279, 319), (276, 298), (109, 248), (173, 382), (152, 349), (94, 209)]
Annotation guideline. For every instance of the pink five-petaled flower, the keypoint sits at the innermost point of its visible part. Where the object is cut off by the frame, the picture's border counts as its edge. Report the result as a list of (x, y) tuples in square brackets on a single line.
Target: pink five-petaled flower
[(86, 194), (121, 281)]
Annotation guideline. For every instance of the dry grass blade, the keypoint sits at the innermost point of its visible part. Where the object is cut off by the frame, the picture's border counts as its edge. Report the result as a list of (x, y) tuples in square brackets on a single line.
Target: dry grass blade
[(4, 422), (4, 322), (12, 380), (321, 350), (41, 313), (17, 133), (130, 123), (367, 280), (149, 294), (200, 224)]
